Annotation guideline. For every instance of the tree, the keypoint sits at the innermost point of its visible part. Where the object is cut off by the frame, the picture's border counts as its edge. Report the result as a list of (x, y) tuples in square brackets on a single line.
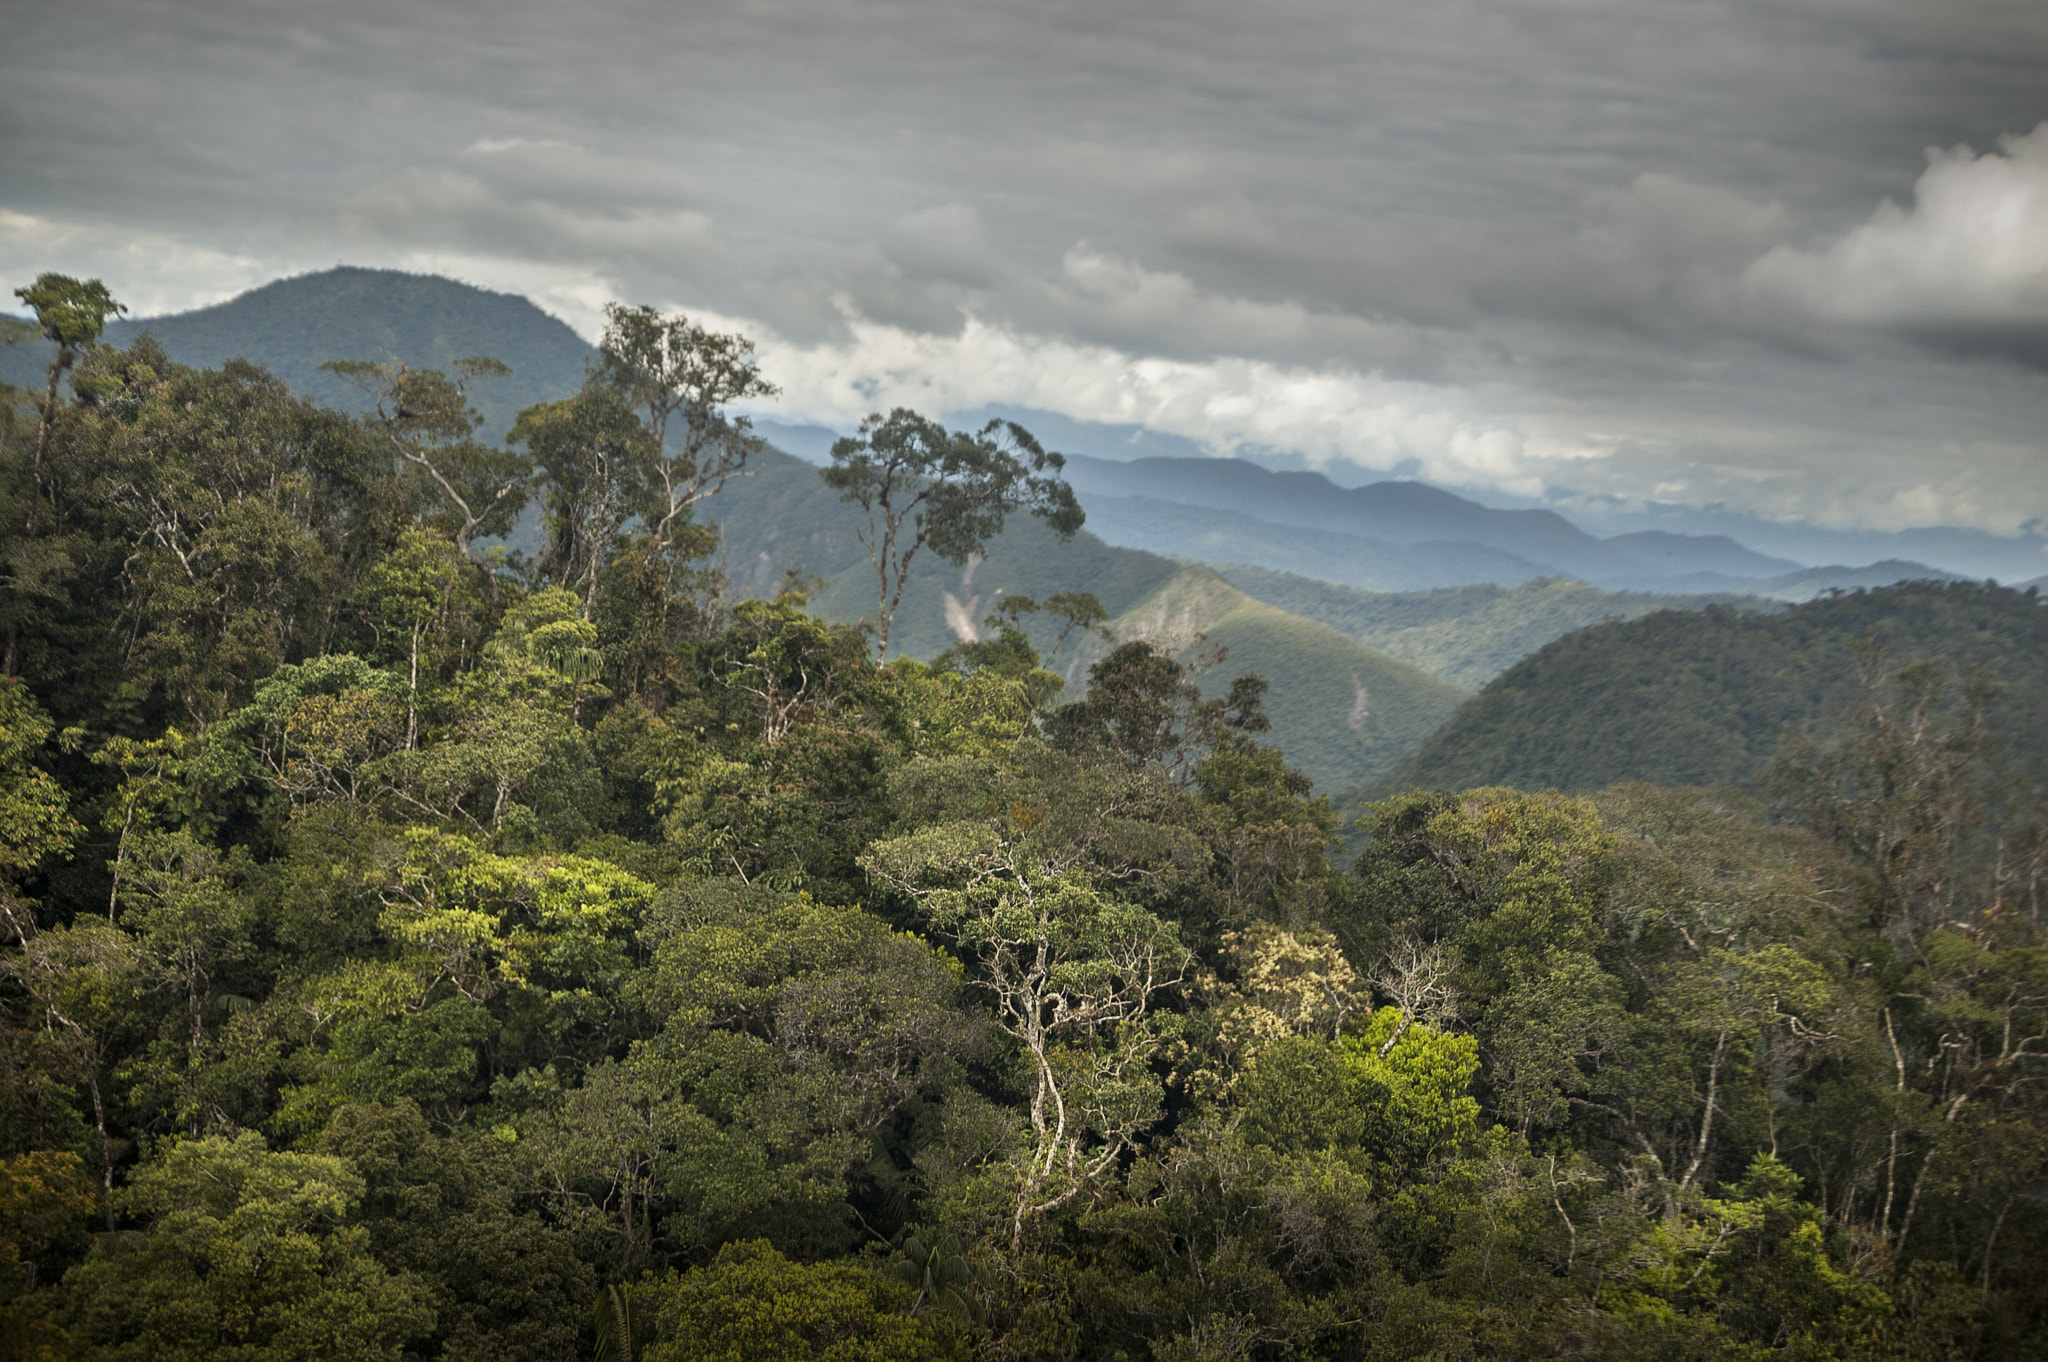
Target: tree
[(921, 484), (250, 1254), (244, 511), (753, 1302), (596, 460), (505, 1284), (71, 314), (932, 1266), (82, 980), (671, 367), (1901, 792), (1145, 707), (1075, 977), (46, 1202), (426, 418), (35, 819)]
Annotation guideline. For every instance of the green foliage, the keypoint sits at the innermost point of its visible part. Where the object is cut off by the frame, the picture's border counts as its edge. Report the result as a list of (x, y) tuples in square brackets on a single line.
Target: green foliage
[(921, 484), (1702, 698), (35, 820), (69, 312), (248, 1253), (753, 1302), (934, 1268), (502, 1282), (613, 953)]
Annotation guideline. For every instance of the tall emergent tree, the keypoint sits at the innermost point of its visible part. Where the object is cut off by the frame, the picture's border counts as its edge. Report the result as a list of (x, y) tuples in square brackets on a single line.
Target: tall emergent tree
[(922, 484), (671, 367), (593, 459), (426, 417), (71, 314)]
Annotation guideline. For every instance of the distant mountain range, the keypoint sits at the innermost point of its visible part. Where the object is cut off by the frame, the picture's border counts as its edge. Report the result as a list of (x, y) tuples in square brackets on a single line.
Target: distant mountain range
[(1410, 536), (1374, 612)]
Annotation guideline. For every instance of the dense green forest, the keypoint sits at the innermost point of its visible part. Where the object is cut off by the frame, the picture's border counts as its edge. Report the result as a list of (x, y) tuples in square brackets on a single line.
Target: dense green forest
[(418, 951), (1703, 698)]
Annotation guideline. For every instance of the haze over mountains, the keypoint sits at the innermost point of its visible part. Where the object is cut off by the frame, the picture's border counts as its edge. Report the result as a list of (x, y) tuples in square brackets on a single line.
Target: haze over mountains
[(1374, 611)]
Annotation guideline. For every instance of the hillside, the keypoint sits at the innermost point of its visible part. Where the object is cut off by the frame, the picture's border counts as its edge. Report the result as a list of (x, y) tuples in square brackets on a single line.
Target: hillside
[(783, 518), (1466, 635), (1342, 712), (1702, 698), (293, 326)]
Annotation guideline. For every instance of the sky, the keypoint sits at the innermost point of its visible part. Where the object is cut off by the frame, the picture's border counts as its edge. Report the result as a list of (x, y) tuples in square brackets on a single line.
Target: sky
[(1783, 257)]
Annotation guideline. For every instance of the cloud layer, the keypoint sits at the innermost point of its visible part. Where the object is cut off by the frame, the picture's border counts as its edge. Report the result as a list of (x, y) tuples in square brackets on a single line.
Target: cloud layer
[(1971, 253), (1685, 249)]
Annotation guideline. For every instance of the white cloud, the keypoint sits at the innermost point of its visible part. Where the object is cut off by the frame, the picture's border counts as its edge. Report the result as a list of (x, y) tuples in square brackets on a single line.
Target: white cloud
[(1971, 251), (150, 272), (491, 146), (1226, 404)]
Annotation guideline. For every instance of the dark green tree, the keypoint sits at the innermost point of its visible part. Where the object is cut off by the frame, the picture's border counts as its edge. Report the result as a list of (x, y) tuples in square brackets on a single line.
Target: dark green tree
[(596, 460), (921, 484), (469, 490), (71, 314)]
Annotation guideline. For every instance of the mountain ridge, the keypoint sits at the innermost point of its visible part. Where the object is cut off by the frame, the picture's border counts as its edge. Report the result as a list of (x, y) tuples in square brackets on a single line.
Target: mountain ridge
[(1703, 698), (1344, 713)]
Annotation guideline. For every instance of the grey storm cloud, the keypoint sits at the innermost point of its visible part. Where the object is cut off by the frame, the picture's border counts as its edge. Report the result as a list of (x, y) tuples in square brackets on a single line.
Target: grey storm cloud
[(1635, 248)]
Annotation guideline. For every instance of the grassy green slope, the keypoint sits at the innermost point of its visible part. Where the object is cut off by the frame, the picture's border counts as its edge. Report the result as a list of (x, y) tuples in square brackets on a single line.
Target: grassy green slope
[(1702, 698), (1341, 711), (1466, 635)]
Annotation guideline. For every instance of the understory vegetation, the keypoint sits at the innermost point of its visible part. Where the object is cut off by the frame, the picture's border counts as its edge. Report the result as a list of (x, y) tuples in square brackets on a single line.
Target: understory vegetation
[(415, 951)]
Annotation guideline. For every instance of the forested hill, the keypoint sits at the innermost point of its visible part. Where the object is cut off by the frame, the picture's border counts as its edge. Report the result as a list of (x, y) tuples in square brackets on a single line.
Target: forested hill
[(293, 326), (1343, 712), (1702, 698), (1465, 634)]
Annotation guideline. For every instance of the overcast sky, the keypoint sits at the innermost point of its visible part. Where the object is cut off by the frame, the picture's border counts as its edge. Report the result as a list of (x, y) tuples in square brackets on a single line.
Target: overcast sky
[(1790, 257)]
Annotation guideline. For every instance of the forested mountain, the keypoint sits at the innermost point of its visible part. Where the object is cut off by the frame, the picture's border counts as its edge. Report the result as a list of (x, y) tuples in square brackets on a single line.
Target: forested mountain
[(1703, 698), (293, 326), (1345, 713), (1466, 635), (407, 953)]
